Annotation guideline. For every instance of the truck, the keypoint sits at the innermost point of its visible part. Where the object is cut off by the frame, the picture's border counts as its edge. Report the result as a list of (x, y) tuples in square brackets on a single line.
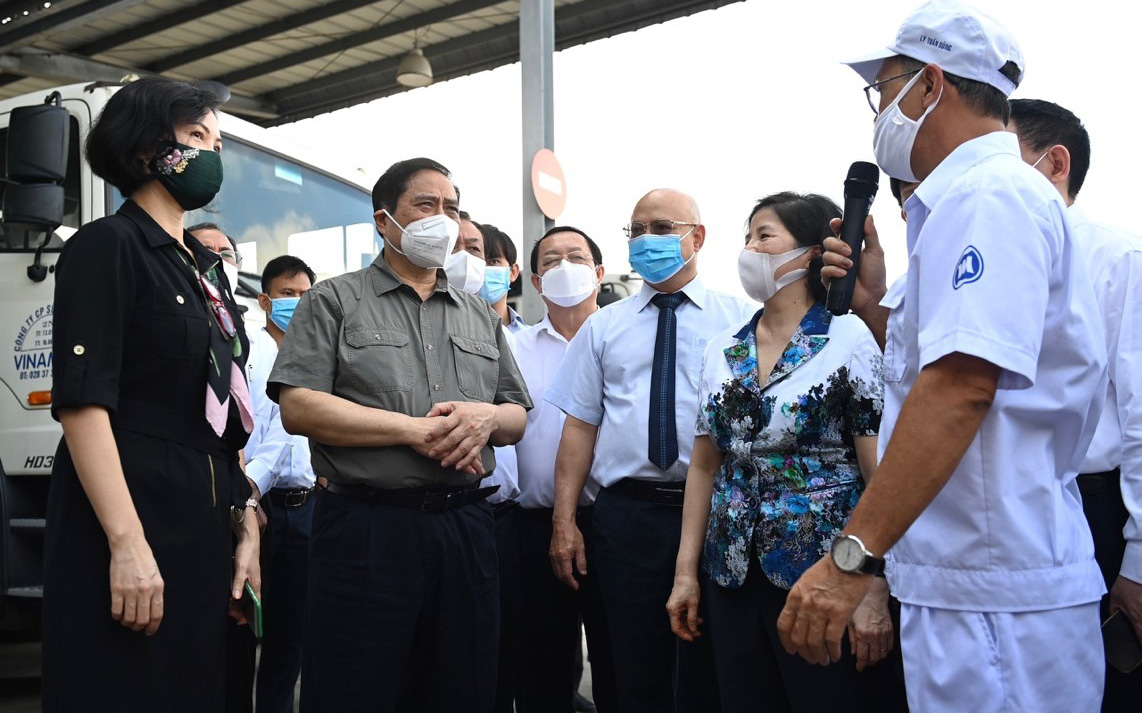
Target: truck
[(275, 199)]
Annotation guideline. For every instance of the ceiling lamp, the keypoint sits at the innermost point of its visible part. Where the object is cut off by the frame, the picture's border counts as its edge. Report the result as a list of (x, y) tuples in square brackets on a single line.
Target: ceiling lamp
[(414, 70)]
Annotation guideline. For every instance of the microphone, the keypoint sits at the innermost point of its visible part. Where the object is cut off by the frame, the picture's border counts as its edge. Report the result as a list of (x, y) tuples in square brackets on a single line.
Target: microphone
[(860, 189)]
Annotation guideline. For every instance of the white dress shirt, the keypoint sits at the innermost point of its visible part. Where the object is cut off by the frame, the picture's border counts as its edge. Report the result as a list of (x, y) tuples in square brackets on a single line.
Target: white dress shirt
[(506, 474), (274, 458), (605, 377), (539, 352), (994, 273), (1114, 260)]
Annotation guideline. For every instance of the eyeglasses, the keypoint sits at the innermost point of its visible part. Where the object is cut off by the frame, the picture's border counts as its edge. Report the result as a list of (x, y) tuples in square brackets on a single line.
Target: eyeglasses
[(552, 261), (874, 104), (654, 227), (231, 255), (218, 308)]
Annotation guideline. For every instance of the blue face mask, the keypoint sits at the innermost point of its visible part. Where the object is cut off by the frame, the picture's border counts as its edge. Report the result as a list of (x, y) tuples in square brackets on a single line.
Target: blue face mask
[(497, 282), (657, 257), (282, 311)]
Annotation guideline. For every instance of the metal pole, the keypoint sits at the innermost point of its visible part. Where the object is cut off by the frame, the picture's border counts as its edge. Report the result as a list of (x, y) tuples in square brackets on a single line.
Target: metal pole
[(536, 47)]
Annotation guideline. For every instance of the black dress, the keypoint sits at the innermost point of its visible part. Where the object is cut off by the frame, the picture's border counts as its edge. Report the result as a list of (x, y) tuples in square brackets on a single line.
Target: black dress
[(132, 334)]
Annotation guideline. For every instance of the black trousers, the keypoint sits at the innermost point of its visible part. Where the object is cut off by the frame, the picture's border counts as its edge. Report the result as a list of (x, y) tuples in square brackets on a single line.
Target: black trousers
[(241, 659), (403, 609), (242, 647), (755, 673), (636, 545), (283, 602), (551, 614), (1106, 514), (511, 604)]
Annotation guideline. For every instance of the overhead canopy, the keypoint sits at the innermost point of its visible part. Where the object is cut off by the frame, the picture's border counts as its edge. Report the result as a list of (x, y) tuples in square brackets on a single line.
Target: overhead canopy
[(285, 60)]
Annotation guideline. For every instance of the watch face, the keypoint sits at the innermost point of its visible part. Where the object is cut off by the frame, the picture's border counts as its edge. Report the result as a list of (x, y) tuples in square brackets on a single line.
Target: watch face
[(848, 554)]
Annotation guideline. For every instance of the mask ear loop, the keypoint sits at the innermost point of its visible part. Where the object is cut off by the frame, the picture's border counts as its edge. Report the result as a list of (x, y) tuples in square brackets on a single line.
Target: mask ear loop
[(402, 230)]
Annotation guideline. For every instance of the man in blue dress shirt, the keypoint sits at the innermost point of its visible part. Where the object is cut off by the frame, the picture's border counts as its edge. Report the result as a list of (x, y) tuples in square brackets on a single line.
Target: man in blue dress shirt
[(628, 385), (279, 467)]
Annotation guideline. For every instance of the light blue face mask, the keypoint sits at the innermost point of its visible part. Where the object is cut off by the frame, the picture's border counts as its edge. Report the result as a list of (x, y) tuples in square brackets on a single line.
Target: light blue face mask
[(497, 282), (657, 257), (282, 311)]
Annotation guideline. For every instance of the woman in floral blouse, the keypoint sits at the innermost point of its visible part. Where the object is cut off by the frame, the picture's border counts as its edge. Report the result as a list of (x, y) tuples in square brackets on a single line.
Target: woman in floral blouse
[(790, 407)]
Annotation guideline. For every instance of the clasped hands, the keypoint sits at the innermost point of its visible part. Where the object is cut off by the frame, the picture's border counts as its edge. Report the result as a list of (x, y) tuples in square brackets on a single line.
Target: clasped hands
[(454, 433)]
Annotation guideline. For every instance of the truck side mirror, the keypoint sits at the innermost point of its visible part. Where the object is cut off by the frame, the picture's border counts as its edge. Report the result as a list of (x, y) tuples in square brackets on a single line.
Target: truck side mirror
[(36, 166)]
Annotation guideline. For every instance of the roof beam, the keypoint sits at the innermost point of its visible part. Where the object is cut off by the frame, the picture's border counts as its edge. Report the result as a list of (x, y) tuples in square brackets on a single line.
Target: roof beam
[(573, 26), (66, 18), (261, 32), (390, 64), (374, 34), (65, 68), (163, 22), (61, 67)]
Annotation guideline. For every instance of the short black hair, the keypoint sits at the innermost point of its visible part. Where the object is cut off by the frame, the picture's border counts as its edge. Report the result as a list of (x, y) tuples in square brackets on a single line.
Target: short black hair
[(497, 244), (985, 99), (1042, 124), (394, 182), (212, 226), (806, 216), (136, 121), (596, 253), (285, 265), (464, 215)]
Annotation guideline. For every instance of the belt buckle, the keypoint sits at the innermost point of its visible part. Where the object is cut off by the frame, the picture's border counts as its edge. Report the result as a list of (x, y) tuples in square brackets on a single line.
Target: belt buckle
[(438, 502), (670, 496), (296, 499)]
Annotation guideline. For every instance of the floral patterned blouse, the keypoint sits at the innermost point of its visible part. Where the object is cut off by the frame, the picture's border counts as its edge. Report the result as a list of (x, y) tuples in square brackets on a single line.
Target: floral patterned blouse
[(790, 478)]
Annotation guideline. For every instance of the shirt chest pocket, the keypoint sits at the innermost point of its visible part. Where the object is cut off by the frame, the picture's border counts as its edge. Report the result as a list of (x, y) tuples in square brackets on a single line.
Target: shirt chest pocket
[(477, 367), (179, 330), (379, 360)]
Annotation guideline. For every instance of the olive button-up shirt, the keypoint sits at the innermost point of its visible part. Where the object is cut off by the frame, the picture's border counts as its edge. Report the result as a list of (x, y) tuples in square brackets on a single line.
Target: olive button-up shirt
[(369, 338)]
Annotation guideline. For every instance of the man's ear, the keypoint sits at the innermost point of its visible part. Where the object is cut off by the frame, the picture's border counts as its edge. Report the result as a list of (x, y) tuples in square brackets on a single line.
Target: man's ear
[(1060, 169), (934, 85), (536, 282), (513, 274), (699, 237), (600, 273), (264, 302)]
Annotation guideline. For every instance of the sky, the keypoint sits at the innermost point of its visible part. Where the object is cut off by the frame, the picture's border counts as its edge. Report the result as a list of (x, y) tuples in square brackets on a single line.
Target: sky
[(731, 105)]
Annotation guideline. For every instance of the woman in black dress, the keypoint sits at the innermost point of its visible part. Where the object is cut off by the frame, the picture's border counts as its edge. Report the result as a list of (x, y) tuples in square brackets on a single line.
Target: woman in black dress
[(148, 386)]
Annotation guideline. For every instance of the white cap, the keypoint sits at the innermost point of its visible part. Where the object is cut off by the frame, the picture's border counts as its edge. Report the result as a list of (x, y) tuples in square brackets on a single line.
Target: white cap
[(958, 39)]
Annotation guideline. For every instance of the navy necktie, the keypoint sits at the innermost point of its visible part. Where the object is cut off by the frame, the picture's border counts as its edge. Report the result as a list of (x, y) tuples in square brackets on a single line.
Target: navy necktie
[(662, 447)]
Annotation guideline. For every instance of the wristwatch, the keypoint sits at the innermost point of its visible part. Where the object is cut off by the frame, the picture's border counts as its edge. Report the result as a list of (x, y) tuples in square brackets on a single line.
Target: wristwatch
[(852, 557)]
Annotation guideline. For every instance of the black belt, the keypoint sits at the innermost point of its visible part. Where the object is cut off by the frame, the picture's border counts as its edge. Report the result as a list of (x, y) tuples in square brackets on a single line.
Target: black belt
[(660, 492), (1091, 483), (502, 508), (290, 497), (436, 500)]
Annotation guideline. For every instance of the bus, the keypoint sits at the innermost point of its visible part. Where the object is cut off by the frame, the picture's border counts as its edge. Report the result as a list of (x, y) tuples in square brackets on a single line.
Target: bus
[(275, 200)]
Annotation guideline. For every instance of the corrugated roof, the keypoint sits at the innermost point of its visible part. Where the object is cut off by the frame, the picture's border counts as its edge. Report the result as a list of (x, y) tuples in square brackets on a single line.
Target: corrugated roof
[(286, 60)]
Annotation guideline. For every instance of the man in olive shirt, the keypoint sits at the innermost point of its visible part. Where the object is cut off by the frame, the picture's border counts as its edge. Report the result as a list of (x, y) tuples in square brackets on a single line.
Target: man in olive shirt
[(403, 385)]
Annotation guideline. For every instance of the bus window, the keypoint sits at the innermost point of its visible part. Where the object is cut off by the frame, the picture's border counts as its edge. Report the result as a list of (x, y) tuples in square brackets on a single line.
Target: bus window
[(284, 207)]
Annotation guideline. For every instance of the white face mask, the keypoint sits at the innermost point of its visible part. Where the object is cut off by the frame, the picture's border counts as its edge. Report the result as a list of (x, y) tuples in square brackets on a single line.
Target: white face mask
[(756, 271), (568, 284), (429, 241), (894, 134), (231, 272), (465, 271)]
